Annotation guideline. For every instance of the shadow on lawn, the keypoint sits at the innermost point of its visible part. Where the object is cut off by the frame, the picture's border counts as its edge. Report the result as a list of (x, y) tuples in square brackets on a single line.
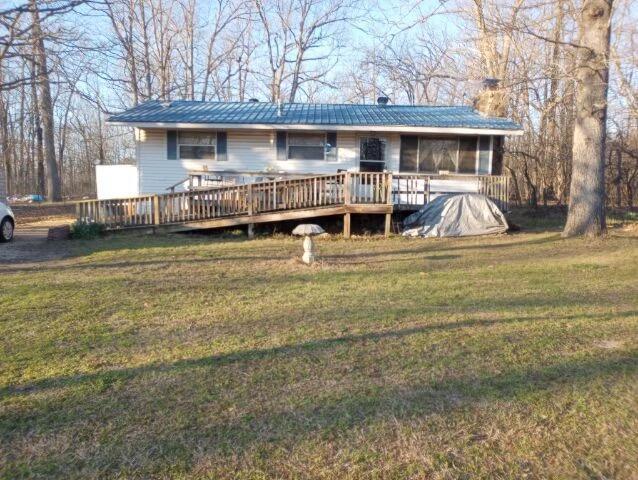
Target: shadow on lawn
[(285, 425), (436, 246), (248, 356)]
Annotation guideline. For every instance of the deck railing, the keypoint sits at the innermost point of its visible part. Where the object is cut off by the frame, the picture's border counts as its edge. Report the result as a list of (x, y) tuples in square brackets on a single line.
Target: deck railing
[(415, 190), (407, 191), (119, 212)]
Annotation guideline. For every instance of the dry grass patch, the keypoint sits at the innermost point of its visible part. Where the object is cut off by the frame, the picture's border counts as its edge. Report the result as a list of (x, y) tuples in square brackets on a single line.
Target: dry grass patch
[(172, 357)]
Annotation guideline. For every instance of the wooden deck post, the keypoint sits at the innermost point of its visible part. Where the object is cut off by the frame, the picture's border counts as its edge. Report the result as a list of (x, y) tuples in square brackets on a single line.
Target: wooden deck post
[(251, 210), (388, 200), (249, 199), (346, 225), (388, 224), (156, 210)]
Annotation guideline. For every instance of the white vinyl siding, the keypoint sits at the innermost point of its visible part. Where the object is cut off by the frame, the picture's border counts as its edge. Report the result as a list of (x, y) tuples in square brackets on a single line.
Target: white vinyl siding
[(247, 151)]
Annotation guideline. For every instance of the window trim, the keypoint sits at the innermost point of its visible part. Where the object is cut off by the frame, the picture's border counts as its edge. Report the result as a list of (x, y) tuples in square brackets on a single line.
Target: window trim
[(213, 133)]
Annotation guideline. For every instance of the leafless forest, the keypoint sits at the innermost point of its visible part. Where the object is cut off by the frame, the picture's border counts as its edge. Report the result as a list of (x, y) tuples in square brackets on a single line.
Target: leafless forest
[(66, 64)]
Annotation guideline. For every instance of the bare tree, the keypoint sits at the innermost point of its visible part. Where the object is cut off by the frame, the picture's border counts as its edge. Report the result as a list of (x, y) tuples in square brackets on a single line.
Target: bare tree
[(54, 188), (587, 193), (301, 39)]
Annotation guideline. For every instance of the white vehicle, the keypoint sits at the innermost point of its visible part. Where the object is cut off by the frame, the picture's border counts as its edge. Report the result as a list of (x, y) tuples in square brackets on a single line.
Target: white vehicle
[(7, 223)]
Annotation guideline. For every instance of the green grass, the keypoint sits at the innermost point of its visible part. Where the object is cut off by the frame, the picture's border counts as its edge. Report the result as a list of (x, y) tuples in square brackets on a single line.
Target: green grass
[(187, 357)]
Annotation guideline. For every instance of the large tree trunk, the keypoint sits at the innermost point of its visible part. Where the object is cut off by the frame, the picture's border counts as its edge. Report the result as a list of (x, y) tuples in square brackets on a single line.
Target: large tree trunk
[(37, 126), (5, 151), (587, 192), (46, 108)]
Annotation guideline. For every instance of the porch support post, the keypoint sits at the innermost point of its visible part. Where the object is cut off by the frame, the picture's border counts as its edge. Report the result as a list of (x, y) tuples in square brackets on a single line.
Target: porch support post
[(346, 225), (251, 230), (388, 201), (347, 193), (156, 210)]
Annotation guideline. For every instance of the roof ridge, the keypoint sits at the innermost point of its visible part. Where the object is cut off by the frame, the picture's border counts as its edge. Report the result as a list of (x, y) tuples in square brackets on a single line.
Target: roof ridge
[(237, 102)]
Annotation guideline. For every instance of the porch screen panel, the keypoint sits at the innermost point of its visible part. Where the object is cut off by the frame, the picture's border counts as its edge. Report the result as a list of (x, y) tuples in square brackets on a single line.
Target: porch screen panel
[(467, 154), (484, 155), (438, 154), (409, 159), (497, 156)]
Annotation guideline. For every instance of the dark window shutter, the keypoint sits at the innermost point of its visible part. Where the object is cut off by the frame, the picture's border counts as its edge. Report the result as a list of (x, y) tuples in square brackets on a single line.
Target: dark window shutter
[(171, 144), (281, 145), (331, 139), (409, 153), (222, 146)]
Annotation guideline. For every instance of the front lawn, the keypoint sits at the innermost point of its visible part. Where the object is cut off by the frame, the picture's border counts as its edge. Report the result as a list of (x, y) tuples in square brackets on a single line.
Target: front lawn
[(192, 357)]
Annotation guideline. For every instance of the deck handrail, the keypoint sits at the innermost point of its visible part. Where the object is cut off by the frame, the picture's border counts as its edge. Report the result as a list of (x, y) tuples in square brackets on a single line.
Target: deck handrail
[(316, 191)]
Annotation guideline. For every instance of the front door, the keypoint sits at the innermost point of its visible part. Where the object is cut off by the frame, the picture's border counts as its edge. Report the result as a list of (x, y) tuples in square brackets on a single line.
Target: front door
[(372, 151)]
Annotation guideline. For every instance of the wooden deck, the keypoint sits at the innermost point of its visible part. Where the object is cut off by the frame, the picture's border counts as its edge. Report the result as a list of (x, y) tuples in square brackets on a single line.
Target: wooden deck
[(290, 199)]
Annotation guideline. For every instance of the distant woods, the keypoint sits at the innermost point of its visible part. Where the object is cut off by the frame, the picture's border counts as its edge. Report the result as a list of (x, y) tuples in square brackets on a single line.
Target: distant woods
[(66, 64)]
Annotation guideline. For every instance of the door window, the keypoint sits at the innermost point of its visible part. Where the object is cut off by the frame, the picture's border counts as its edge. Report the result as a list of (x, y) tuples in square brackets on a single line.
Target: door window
[(372, 154)]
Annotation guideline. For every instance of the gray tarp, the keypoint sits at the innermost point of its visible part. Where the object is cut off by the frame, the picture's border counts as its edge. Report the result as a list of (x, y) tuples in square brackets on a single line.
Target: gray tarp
[(457, 215)]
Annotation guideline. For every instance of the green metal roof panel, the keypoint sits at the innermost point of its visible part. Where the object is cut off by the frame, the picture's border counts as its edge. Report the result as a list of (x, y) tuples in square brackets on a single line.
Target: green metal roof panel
[(311, 114)]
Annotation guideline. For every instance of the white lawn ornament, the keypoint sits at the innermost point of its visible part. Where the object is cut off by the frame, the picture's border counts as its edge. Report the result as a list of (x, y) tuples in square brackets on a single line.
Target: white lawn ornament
[(308, 230)]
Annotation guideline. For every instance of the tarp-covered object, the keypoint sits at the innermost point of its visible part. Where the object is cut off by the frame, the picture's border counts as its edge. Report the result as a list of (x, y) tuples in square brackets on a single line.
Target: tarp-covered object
[(456, 215)]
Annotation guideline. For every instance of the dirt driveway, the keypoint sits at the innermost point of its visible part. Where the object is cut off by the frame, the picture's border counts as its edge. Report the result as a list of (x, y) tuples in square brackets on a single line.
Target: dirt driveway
[(30, 242)]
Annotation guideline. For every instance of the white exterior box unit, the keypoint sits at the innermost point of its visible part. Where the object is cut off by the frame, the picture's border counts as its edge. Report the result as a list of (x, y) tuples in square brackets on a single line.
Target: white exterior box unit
[(116, 181)]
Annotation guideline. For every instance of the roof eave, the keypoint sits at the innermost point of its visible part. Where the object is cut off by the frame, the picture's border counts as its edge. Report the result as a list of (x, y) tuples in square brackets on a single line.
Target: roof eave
[(365, 128)]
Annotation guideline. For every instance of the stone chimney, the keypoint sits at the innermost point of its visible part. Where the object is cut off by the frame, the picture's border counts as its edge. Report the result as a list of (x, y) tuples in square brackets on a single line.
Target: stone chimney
[(492, 99)]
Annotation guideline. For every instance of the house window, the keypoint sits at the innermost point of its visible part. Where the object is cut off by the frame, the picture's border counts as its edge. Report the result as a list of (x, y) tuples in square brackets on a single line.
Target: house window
[(306, 146), (197, 145)]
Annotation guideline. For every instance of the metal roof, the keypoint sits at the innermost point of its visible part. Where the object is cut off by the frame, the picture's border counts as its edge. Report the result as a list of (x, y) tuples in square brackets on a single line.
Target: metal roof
[(310, 114)]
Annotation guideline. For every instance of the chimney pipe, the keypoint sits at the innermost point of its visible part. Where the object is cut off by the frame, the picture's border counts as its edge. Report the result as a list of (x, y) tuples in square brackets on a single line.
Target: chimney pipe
[(491, 83)]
